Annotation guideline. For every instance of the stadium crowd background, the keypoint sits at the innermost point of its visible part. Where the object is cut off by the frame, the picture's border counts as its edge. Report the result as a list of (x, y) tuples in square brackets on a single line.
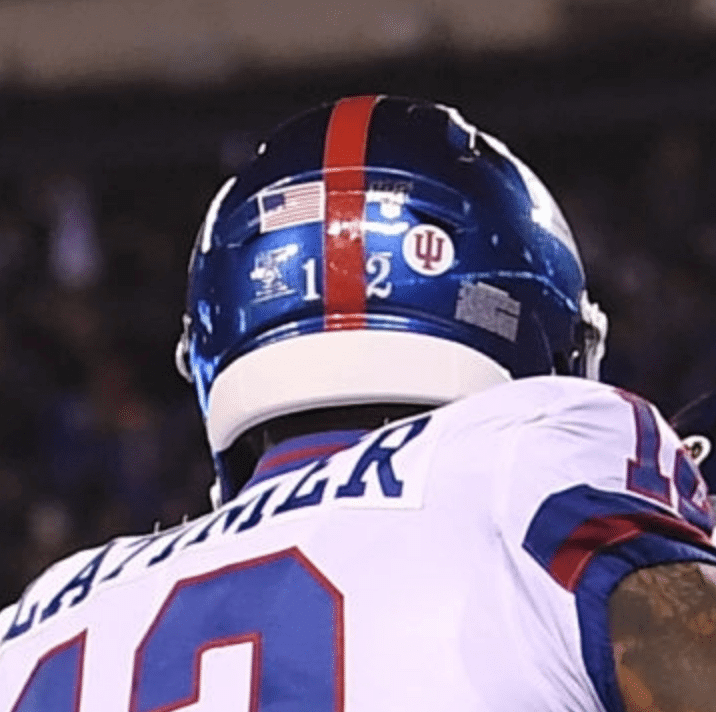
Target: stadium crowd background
[(102, 190)]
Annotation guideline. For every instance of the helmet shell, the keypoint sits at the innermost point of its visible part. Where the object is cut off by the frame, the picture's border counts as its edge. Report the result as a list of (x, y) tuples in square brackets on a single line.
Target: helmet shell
[(386, 226)]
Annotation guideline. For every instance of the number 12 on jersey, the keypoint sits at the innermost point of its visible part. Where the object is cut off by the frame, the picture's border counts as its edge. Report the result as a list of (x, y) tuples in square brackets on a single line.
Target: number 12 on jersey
[(644, 475), (281, 604)]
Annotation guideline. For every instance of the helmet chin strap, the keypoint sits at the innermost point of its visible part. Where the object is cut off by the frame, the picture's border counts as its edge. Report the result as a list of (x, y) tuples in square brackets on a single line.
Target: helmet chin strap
[(594, 336)]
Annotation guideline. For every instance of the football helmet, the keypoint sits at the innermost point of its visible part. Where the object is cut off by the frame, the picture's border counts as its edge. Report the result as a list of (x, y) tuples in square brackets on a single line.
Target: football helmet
[(379, 250)]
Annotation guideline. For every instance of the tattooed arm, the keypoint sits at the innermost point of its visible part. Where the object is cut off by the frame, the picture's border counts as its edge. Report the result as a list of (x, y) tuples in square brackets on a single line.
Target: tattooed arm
[(663, 631)]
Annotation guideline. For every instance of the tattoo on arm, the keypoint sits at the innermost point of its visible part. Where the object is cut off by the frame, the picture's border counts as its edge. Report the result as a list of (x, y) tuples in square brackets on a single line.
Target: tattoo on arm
[(663, 630)]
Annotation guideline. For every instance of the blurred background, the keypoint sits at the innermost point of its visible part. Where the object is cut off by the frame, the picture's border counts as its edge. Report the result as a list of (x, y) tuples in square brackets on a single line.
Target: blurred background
[(118, 121)]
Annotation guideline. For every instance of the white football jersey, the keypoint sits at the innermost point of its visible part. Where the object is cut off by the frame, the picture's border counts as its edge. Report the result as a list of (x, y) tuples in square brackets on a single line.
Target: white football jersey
[(458, 560)]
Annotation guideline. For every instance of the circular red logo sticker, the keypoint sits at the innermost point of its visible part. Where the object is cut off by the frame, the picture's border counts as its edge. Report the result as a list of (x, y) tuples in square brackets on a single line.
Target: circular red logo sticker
[(428, 250)]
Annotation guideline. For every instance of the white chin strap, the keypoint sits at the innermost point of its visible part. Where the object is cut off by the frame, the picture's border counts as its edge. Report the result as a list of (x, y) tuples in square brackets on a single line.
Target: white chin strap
[(596, 335)]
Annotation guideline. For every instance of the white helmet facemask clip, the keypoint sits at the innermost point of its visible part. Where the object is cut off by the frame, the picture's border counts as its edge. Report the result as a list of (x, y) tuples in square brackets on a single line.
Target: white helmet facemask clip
[(595, 336), (181, 352)]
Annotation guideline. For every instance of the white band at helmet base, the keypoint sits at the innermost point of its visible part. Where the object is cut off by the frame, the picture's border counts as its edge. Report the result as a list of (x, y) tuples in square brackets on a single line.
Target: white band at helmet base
[(337, 368)]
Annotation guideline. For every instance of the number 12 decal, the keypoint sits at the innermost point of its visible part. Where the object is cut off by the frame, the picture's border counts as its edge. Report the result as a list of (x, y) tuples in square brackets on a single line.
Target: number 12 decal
[(644, 474), (378, 265), (281, 603)]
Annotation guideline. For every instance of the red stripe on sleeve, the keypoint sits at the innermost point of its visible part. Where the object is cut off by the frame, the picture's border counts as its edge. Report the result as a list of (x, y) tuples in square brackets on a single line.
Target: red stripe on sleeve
[(344, 175), (585, 542)]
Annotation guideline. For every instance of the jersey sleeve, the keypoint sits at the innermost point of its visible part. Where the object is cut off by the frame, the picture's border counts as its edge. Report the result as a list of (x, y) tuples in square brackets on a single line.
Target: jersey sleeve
[(608, 473), (611, 492)]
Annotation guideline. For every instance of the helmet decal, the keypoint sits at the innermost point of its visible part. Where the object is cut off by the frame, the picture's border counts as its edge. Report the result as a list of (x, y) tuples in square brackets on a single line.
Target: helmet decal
[(268, 274), (390, 196), (428, 250), (291, 206), (488, 307)]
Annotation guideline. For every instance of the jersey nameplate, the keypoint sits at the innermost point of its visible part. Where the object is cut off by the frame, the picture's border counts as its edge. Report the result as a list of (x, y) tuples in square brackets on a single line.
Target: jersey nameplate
[(371, 480)]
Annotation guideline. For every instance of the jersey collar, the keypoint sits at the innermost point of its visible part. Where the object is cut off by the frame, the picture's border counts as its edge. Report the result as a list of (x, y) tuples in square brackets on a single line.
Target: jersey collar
[(297, 452)]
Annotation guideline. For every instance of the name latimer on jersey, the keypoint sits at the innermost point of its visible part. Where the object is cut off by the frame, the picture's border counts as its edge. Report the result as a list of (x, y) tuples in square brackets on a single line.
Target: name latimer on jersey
[(369, 475)]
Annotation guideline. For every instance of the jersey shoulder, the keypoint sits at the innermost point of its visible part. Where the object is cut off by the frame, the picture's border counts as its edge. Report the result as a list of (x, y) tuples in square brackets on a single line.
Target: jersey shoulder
[(534, 438), (556, 418), (543, 397)]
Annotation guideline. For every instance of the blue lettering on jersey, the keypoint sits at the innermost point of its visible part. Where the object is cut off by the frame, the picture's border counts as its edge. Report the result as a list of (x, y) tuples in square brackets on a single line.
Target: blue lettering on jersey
[(315, 496), (257, 512), (380, 455), (167, 551), (139, 545), (228, 514), (236, 517), (19, 626), (81, 583)]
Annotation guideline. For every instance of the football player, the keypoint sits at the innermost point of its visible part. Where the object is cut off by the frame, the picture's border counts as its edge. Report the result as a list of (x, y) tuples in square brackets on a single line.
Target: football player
[(425, 500)]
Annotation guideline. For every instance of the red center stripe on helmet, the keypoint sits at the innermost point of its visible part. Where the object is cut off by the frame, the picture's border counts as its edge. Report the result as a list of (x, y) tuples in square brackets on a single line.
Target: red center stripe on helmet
[(344, 175)]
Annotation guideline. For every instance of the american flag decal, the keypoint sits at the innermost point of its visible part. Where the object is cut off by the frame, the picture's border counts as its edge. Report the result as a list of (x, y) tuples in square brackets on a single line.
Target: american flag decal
[(292, 205)]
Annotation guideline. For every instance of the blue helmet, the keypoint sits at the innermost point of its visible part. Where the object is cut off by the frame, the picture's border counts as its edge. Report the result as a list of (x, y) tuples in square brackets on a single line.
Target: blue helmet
[(379, 250)]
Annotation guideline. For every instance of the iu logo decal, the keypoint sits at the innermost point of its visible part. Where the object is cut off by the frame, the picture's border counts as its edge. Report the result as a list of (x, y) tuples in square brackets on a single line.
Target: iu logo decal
[(428, 250)]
